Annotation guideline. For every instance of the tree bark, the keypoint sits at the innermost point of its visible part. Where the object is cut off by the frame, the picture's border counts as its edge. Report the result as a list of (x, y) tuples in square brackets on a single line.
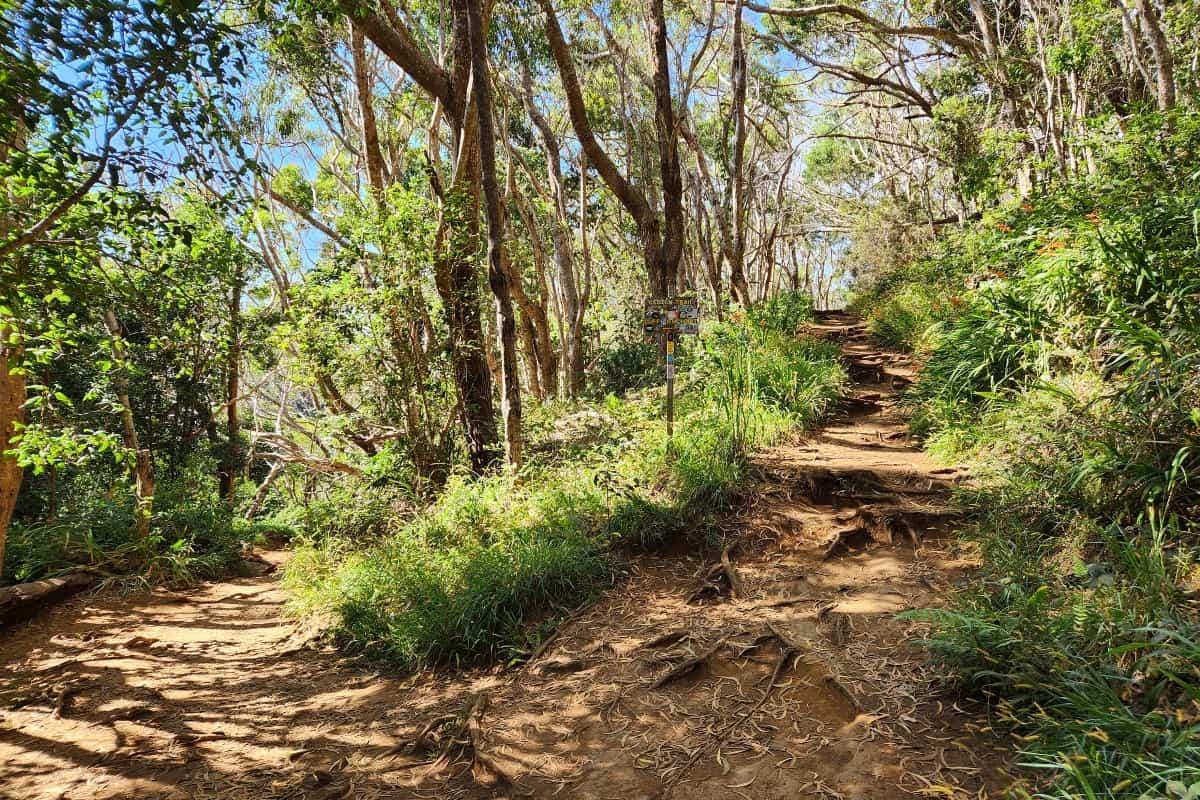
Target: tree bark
[(458, 229), (260, 495), (660, 252), (498, 280), (665, 278), (735, 191), (564, 255), (143, 465), (12, 417), (535, 312), (232, 461), (376, 173), (583, 294), (1163, 59)]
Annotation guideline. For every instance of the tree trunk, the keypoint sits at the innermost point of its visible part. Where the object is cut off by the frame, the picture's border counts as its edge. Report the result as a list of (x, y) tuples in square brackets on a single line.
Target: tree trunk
[(375, 169), (665, 278), (13, 393), (564, 255), (458, 229), (534, 313), (143, 465), (712, 262), (12, 416), (260, 495), (1164, 60), (530, 348), (510, 389), (232, 461), (735, 192), (582, 295), (659, 253)]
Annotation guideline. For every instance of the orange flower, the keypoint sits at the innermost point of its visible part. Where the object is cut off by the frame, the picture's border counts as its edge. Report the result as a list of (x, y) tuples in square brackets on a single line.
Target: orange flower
[(1026, 207), (955, 301), (1000, 226), (1094, 217), (1051, 247)]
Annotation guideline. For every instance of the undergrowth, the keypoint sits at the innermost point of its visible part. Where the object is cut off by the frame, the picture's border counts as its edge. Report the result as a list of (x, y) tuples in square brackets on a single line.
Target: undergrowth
[(1060, 341), (193, 536), (493, 563)]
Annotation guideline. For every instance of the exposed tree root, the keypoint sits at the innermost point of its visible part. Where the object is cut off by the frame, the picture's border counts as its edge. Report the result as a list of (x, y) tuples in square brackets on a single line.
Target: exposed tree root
[(789, 650), (670, 637), (687, 665), (455, 738), (719, 580)]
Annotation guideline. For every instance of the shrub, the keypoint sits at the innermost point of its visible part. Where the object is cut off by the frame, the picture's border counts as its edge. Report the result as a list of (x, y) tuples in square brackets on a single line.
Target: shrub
[(784, 313), (482, 571), (193, 535), (629, 363), (1069, 374)]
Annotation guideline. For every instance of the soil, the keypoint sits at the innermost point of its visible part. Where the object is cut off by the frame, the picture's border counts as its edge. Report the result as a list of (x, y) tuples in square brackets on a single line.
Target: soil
[(774, 669)]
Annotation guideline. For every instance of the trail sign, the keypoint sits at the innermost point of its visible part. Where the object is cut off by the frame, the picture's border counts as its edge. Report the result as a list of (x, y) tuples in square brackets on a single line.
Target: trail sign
[(671, 315), (663, 320)]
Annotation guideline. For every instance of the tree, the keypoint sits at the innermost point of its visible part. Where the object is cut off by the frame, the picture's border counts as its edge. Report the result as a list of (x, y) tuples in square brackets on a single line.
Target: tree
[(459, 227), (91, 96), (661, 236)]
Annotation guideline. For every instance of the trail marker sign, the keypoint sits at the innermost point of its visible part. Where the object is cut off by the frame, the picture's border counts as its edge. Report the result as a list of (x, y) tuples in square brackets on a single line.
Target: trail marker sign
[(664, 320)]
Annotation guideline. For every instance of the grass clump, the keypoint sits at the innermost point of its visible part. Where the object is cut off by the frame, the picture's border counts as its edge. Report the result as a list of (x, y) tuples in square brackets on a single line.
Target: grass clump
[(194, 535), (483, 571)]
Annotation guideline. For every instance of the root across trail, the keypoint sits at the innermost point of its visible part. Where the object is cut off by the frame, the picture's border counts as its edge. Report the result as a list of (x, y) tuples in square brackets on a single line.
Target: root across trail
[(772, 668)]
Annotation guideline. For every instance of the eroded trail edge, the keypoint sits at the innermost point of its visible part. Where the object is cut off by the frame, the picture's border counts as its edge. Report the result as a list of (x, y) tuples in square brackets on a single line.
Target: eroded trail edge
[(773, 669)]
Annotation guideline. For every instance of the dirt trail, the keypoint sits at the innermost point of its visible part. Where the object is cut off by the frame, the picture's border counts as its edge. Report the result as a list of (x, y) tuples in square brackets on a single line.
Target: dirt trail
[(804, 684)]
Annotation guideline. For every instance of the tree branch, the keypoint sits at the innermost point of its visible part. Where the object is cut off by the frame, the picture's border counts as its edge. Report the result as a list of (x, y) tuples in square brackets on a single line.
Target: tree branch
[(629, 195), (396, 42), (968, 45)]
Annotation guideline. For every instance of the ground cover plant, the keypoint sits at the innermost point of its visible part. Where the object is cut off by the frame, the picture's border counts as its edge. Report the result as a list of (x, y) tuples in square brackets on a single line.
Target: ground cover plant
[(493, 562), (1061, 358)]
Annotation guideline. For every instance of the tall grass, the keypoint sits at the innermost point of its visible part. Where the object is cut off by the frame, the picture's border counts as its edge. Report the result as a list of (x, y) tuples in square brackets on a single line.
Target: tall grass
[(485, 570), (1062, 357), (193, 534)]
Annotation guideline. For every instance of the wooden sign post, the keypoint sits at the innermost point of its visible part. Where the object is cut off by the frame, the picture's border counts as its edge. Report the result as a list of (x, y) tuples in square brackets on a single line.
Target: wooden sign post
[(665, 320)]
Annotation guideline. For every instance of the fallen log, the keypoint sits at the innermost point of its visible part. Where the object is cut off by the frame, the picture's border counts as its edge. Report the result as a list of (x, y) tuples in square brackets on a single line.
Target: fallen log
[(22, 601)]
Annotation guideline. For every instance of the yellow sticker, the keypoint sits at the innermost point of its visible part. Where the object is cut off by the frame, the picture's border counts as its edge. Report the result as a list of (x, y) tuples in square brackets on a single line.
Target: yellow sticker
[(670, 346)]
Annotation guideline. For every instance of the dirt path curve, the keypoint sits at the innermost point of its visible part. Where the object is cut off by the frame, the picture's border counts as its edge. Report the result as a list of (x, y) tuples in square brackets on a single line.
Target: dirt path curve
[(792, 680)]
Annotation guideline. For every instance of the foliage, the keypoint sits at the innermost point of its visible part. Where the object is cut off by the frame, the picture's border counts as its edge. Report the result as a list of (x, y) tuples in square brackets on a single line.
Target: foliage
[(784, 313), (628, 363), (1060, 355), (193, 535), (479, 573)]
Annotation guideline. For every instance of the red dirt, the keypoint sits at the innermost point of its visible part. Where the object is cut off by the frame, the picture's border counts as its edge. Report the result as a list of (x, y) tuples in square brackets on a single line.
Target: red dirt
[(211, 693)]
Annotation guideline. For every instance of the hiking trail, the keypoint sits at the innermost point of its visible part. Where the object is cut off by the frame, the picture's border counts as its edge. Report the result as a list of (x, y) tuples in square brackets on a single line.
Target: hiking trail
[(774, 669)]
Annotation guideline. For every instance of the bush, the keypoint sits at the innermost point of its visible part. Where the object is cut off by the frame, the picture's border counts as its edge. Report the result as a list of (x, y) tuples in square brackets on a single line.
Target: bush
[(193, 535), (1069, 372), (484, 570), (459, 582), (784, 313), (1090, 662)]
